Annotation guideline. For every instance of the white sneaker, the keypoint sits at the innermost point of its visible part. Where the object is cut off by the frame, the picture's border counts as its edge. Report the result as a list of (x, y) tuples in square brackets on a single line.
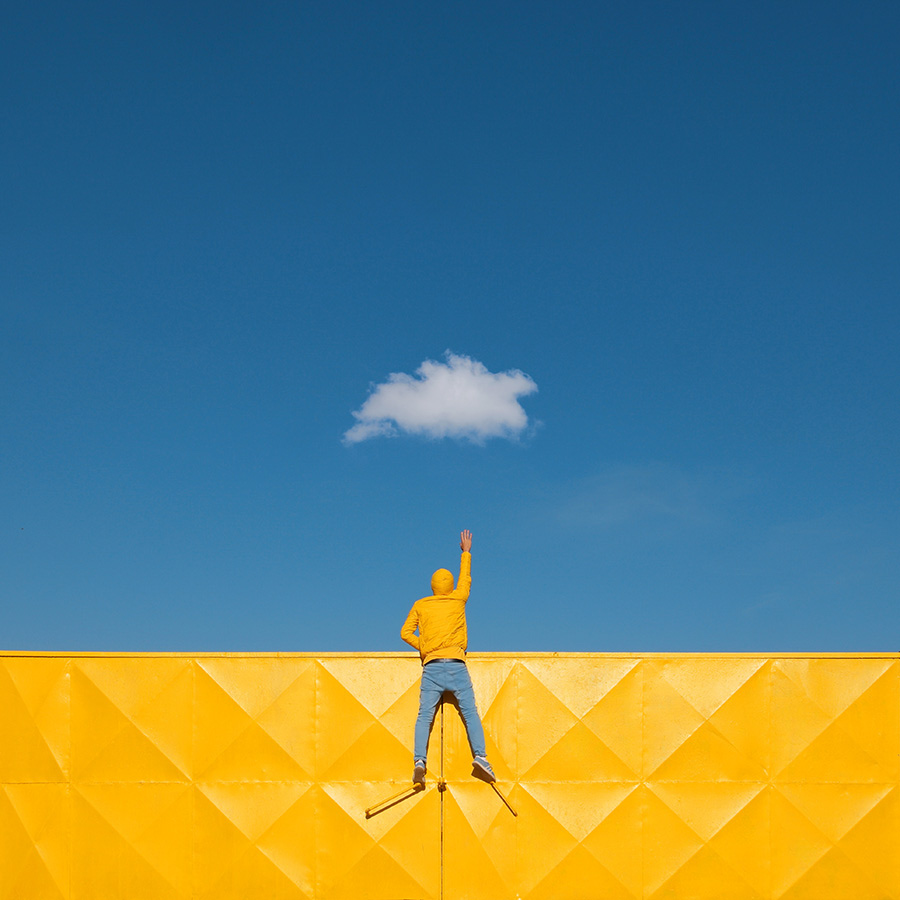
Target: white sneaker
[(419, 772)]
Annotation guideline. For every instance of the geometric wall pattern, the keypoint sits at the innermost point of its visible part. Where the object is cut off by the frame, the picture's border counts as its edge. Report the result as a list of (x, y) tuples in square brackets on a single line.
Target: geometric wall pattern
[(634, 776)]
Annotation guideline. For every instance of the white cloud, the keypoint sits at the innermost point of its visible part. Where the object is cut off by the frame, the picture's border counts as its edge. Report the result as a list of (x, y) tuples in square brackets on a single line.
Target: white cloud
[(458, 398)]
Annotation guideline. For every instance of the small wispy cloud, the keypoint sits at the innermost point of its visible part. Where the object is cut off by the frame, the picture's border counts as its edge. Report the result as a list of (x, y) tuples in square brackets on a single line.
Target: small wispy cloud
[(649, 495), (457, 398)]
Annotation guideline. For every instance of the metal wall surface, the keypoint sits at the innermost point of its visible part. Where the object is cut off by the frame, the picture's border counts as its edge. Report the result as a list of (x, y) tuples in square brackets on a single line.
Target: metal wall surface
[(243, 776)]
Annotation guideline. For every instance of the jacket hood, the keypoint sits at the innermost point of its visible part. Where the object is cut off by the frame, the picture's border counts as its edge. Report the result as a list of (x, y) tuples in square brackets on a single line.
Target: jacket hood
[(442, 582)]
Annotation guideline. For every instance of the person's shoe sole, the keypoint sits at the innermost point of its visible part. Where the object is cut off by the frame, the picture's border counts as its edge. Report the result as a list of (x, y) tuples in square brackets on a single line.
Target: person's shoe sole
[(481, 771), (419, 775)]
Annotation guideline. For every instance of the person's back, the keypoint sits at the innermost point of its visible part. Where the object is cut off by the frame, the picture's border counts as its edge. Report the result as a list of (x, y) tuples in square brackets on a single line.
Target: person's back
[(442, 641), (441, 618)]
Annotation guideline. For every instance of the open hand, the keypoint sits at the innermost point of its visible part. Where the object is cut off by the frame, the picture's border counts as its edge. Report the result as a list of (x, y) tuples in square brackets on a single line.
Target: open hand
[(465, 541)]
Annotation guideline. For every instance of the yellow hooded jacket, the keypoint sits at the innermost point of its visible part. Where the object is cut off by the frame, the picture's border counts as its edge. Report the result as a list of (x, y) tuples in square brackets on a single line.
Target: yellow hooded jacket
[(441, 618)]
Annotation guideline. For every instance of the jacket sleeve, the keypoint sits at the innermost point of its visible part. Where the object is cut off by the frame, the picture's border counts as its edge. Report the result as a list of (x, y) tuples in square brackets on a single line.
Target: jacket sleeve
[(464, 582), (408, 631)]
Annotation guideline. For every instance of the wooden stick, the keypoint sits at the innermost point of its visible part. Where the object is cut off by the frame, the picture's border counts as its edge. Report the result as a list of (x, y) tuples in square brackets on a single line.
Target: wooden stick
[(394, 798)]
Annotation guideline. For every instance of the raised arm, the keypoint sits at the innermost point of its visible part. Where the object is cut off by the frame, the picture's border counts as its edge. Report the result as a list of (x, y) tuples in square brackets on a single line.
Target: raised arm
[(464, 582)]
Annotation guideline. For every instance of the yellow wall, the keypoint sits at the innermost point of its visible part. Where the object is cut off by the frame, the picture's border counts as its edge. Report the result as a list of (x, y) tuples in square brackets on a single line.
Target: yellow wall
[(244, 776)]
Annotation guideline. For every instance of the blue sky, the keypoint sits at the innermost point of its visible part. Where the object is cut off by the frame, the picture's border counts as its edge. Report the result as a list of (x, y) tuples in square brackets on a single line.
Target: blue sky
[(226, 226)]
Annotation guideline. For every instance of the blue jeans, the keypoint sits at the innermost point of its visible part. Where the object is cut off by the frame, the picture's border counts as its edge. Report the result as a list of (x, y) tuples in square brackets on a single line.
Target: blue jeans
[(447, 675)]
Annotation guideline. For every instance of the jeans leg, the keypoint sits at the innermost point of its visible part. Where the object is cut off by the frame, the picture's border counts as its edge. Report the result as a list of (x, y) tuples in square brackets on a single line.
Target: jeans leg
[(465, 697), (429, 697)]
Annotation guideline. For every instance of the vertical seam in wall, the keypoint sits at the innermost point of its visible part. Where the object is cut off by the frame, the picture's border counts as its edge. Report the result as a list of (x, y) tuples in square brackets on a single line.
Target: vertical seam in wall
[(319, 789), (514, 674), (643, 841), (770, 727), (193, 774), (441, 798), (70, 806)]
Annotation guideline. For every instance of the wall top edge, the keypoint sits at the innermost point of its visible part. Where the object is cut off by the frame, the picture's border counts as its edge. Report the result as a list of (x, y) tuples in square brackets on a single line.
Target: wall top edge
[(392, 654)]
